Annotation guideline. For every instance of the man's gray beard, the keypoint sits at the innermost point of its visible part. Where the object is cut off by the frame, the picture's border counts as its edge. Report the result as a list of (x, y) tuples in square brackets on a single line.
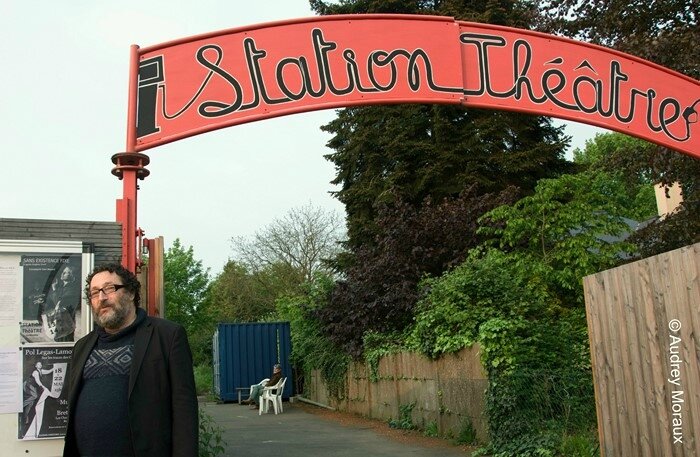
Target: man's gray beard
[(114, 320)]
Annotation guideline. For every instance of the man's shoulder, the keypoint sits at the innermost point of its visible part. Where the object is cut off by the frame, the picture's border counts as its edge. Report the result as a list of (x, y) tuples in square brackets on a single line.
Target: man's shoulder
[(164, 330), (162, 324)]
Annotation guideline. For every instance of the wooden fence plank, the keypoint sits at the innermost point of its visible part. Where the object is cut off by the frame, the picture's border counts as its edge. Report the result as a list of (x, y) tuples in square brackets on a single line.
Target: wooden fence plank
[(645, 327), (598, 357), (644, 331), (637, 397)]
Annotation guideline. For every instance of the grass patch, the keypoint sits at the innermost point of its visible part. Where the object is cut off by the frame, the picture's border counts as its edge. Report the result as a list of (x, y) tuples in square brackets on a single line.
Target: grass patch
[(431, 429), (467, 433), (580, 445)]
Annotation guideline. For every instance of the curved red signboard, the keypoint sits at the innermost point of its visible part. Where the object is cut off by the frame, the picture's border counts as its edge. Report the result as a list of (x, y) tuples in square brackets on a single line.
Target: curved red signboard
[(198, 84), (207, 82)]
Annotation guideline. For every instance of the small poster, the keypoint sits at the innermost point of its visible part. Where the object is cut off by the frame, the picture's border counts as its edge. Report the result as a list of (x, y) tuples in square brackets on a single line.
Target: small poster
[(44, 400), (51, 298), (9, 290), (9, 377)]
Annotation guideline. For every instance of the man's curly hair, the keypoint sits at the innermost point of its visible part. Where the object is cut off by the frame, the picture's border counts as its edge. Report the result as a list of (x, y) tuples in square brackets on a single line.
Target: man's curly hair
[(130, 281)]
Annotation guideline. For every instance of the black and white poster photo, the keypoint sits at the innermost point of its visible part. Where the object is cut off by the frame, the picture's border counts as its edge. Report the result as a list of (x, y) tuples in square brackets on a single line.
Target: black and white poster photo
[(44, 401), (51, 298)]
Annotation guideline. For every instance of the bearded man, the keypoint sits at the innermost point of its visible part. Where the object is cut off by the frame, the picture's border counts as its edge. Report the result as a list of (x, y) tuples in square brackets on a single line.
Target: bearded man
[(130, 381)]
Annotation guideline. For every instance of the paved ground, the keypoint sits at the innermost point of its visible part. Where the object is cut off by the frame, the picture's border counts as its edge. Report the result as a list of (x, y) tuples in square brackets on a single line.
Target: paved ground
[(297, 433)]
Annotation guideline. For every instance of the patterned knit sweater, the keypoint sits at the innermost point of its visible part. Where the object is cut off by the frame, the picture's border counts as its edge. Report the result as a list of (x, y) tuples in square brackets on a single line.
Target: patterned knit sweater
[(101, 413)]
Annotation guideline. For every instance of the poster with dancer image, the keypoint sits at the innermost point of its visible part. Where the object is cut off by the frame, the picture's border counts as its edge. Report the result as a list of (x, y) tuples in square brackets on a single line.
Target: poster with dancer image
[(44, 401), (51, 298)]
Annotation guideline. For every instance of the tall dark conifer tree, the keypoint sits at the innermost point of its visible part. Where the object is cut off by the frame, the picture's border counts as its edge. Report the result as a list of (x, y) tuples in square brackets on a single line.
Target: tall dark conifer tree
[(403, 156), (419, 151)]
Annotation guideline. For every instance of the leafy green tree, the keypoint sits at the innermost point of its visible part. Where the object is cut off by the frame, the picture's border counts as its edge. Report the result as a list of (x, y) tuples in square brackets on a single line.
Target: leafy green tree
[(638, 164), (636, 196), (666, 167), (243, 296), (572, 224), (185, 283), (605, 145), (656, 31)]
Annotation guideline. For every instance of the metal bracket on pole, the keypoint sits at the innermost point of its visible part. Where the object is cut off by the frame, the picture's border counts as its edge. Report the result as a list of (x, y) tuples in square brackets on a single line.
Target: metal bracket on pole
[(130, 161), (129, 167)]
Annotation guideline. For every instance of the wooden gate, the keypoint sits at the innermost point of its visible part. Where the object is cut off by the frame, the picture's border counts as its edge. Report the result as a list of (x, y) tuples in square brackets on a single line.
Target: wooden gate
[(644, 324)]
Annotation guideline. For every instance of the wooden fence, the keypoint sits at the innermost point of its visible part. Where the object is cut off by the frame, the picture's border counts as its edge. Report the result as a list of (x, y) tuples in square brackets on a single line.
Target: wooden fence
[(448, 392), (644, 326)]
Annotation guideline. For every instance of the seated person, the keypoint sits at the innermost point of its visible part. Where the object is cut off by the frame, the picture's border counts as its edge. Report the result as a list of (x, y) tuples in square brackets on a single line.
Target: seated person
[(256, 390)]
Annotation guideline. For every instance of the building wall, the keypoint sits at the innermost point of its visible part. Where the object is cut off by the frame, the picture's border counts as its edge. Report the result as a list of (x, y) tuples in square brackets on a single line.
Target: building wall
[(667, 200), (106, 237)]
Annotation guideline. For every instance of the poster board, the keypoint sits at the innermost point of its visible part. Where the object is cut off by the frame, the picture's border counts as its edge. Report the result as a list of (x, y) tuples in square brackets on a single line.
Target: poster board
[(42, 314)]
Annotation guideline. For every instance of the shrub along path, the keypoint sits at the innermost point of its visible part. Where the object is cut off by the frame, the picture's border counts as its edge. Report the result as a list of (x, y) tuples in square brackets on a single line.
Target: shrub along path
[(305, 430)]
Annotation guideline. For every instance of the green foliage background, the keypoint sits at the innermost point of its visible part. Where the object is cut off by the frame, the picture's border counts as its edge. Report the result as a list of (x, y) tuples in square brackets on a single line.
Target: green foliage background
[(468, 226), (517, 293)]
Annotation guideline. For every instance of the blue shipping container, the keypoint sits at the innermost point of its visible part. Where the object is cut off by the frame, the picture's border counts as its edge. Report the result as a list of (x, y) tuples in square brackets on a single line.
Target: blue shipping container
[(245, 353)]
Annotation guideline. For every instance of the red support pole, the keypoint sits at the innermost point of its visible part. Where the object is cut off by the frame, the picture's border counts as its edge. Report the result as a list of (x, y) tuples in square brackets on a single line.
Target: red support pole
[(129, 166)]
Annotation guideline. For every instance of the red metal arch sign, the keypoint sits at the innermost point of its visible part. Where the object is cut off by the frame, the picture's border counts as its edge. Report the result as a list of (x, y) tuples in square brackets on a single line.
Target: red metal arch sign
[(198, 84)]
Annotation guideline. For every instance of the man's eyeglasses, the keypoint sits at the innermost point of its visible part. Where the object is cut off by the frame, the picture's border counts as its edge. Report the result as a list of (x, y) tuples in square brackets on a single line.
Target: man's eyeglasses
[(107, 290)]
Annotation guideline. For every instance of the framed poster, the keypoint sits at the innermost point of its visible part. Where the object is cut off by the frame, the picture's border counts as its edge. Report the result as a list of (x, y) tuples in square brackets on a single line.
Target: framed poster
[(44, 400), (51, 298)]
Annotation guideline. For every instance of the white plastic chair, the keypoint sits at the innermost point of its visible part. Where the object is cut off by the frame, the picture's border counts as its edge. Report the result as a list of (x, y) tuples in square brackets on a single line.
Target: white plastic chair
[(272, 394), (261, 383)]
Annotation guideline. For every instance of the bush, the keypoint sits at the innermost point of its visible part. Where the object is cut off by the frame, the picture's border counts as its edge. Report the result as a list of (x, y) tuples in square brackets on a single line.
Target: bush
[(490, 285), (534, 347), (405, 420), (530, 412), (311, 348), (467, 433), (204, 379), (211, 443)]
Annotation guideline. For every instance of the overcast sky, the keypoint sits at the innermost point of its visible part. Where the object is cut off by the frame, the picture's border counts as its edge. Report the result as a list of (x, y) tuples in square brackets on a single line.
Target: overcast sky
[(63, 111)]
